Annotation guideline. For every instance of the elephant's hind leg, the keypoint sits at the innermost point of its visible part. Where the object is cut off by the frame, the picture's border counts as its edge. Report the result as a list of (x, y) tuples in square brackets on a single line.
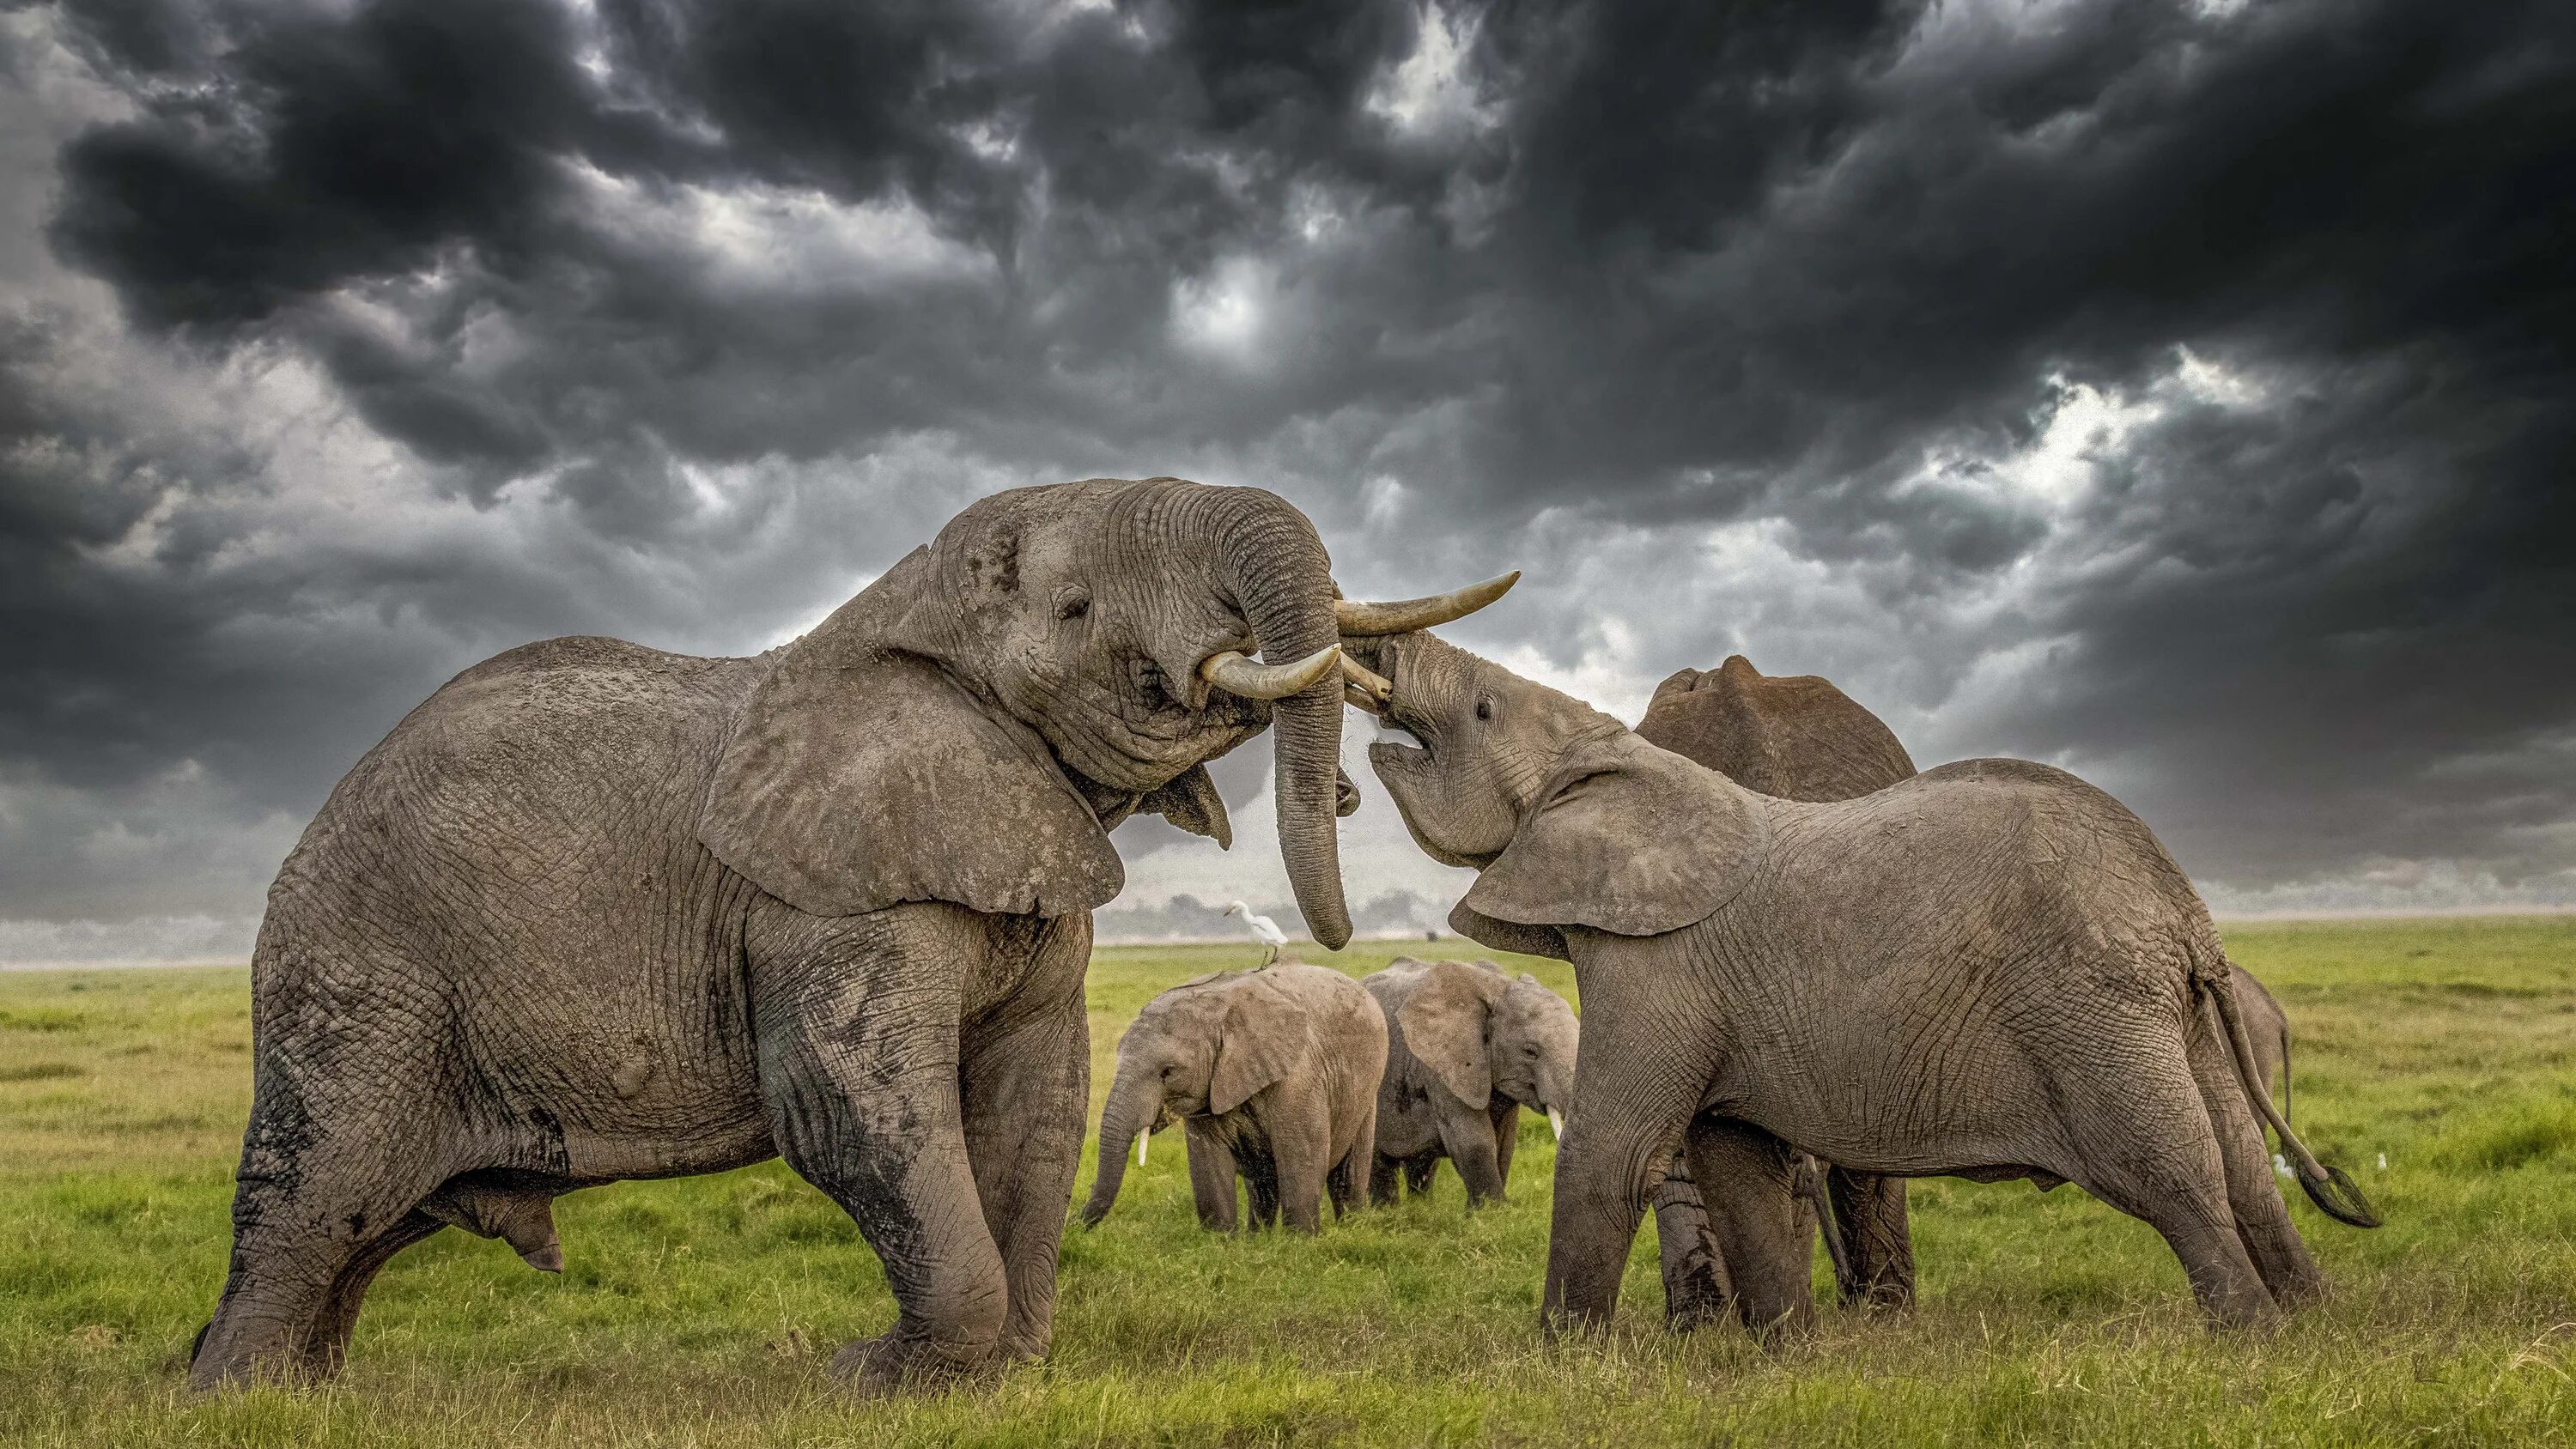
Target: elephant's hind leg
[(305, 1246), (327, 1346), (339, 1151), (2253, 1194), (1878, 1243), (1747, 1179), (2147, 1149)]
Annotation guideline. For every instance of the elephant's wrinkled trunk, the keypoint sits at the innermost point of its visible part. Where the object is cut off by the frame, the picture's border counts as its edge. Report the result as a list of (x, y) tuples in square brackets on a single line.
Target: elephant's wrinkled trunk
[(1134, 1104), (1283, 582)]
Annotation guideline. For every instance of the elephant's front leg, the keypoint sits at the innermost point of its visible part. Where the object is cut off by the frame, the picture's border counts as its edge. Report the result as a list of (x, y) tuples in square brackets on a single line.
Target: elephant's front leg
[(1212, 1175), (857, 1024), (1024, 1090), (1638, 1079)]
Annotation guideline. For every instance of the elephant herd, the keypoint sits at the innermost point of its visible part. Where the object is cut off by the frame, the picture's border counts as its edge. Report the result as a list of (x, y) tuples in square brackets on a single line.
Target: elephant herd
[(596, 912)]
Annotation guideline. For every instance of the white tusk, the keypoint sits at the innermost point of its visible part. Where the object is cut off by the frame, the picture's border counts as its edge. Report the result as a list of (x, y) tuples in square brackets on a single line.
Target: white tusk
[(1235, 674), (1411, 614), (1556, 1123), (1141, 1139), (1365, 687)]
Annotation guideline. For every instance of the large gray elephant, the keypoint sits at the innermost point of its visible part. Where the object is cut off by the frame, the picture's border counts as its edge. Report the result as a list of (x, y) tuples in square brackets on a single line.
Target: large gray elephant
[(1798, 737), (1467, 1048), (1274, 1074), (1990, 970), (595, 911)]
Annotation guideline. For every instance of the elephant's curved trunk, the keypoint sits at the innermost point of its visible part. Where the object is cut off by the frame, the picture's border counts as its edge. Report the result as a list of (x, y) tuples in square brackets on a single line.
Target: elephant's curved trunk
[(1130, 1114), (1283, 582)]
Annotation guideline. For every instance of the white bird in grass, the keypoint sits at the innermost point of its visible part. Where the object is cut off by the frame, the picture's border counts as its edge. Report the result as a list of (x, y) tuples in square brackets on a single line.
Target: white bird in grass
[(1263, 929)]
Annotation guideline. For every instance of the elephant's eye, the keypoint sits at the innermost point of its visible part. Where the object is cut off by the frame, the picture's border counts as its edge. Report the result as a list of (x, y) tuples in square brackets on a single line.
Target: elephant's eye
[(1484, 709), (1072, 602)]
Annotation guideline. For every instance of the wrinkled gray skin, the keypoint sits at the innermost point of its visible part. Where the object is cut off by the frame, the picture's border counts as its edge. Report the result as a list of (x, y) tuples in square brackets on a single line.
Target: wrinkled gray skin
[(1990, 970), (1272, 1072), (1467, 1048), (596, 912), (1798, 737)]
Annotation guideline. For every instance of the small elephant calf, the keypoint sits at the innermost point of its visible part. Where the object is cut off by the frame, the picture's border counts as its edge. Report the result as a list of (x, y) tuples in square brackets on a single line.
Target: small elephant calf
[(1991, 970), (1274, 1075), (1467, 1048)]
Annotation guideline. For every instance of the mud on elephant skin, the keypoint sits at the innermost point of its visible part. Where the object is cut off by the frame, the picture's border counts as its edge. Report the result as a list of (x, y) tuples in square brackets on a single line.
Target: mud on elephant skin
[(1467, 1048), (1274, 1074), (594, 911), (1991, 970)]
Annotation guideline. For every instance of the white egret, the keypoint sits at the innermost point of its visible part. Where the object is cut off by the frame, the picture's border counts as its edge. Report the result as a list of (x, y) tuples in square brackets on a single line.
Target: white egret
[(1263, 929)]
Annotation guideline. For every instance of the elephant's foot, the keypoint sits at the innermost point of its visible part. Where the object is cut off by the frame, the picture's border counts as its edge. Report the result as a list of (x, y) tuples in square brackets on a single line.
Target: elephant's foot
[(895, 1361)]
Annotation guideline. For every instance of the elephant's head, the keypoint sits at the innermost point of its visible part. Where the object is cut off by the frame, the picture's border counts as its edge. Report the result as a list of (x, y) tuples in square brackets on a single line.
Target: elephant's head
[(1200, 1049), (1793, 735), (1571, 819), (968, 727), (1484, 1034)]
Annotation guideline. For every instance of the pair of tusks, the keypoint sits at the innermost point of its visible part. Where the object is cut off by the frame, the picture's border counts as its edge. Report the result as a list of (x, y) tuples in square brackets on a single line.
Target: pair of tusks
[(1236, 673)]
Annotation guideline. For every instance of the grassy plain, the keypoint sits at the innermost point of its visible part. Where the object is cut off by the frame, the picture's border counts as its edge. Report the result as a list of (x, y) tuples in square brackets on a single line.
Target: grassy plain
[(703, 1311)]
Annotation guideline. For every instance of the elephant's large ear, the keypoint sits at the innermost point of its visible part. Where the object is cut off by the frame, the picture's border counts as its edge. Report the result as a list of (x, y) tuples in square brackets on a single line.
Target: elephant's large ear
[(857, 778), (1257, 1044), (1444, 1023), (1625, 838)]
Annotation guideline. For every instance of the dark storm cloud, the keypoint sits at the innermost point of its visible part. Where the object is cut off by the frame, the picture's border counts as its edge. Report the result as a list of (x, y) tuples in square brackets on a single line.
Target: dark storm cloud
[(1760, 326)]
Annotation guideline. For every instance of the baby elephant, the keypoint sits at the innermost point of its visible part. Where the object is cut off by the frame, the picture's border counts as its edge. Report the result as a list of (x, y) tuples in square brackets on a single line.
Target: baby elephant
[(1990, 970), (1274, 1073), (1467, 1048)]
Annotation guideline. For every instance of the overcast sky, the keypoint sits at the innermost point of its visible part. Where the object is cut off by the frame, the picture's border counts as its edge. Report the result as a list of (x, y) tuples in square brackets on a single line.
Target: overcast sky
[(2180, 393)]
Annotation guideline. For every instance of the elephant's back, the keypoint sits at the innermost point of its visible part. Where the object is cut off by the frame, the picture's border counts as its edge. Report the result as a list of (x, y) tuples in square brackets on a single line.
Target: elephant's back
[(2000, 856)]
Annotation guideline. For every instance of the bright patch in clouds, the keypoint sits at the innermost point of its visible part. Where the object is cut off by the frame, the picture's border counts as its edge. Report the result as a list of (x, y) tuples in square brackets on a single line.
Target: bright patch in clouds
[(1223, 314), (764, 238), (1429, 95)]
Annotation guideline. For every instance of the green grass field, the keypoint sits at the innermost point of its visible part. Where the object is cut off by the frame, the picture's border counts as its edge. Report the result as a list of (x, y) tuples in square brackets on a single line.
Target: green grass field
[(703, 1311)]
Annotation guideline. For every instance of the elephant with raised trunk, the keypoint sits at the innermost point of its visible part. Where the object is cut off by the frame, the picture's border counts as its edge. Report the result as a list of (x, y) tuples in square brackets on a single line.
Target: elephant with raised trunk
[(595, 911), (1990, 970), (1467, 1048), (1272, 1072)]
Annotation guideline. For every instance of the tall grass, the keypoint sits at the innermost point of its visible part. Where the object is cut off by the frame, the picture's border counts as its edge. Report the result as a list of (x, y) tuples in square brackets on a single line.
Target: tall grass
[(703, 1311)]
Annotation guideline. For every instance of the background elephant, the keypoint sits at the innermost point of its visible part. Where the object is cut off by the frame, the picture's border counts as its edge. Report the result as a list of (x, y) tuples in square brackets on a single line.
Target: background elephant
[(1467, 1048), (1991, 970), (595, 911), (1275, 1073), (1798, 737)]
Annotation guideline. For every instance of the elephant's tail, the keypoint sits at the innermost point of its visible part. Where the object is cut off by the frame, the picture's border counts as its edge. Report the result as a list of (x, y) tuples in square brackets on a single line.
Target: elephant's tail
[(2330, 1188), (2285, 1069), (1811, 1174)]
